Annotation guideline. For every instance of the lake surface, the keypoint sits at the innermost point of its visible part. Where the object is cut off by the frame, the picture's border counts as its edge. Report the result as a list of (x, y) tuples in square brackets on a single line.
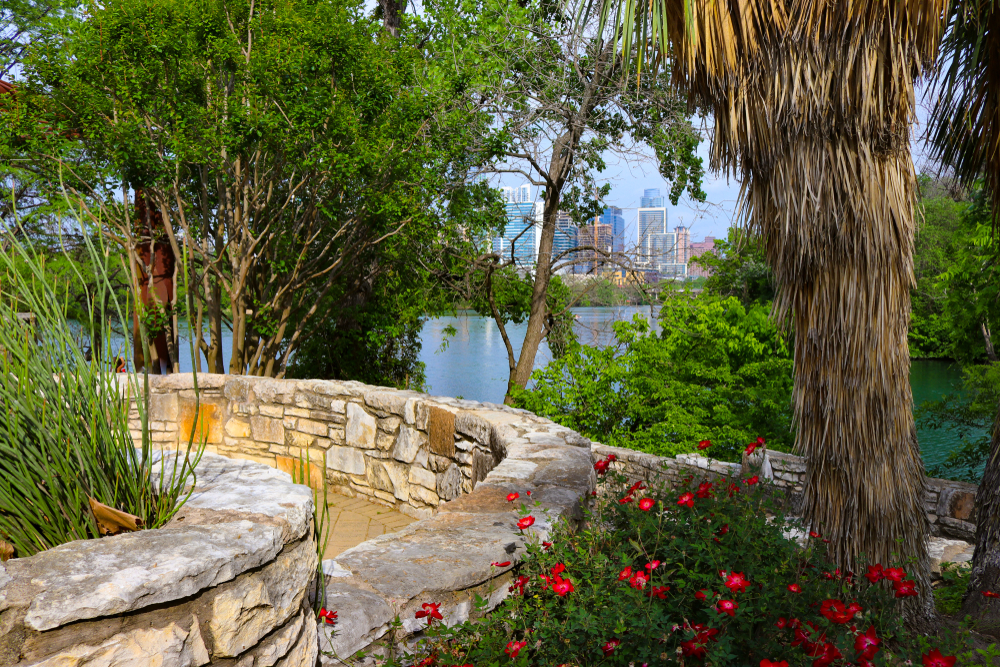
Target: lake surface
[(473, 363)]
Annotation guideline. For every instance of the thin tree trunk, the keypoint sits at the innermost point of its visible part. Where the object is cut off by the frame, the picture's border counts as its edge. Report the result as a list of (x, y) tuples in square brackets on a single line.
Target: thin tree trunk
[(985, 575), (988, 340)]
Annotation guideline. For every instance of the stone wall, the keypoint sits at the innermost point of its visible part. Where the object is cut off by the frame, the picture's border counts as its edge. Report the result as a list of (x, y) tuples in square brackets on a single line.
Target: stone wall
[(950, 505), (448, 462), (224, 583), (397, 448)]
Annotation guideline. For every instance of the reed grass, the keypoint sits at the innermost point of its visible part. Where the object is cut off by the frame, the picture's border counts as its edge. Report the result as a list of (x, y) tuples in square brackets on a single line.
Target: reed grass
[(64, 431)]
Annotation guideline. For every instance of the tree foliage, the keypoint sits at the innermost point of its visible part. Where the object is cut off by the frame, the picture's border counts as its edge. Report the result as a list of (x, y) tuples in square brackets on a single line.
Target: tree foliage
[(717, 370)]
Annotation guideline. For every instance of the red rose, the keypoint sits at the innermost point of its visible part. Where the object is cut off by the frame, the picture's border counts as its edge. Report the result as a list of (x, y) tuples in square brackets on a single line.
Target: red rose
[(733, 489), (610, 646), (702, 594), (638, 580), (905, 589), (612, 457), (558, 569), (828, 653), (652, 565), (813, 534), (781, 623), (704, 444), (990, 594), (625, 574), (562, 586), (511, 497), (751, 448), (601, 467), (686, 499), (894, 574), (727, 607), (795, 588), (546, 545), (722, 531), (519, 584), (429, 610), (503, 564), (329, 617), (513, 648), (935, 659), (875, 573), (658, 592), (753, 480), (525, 522), (646, 504), (736, 582), (836, 612), (867, 644), (705, 490)]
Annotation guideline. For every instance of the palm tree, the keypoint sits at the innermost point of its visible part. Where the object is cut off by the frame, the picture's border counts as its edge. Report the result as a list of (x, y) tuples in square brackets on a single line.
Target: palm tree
[(964, 133), (813, 101)]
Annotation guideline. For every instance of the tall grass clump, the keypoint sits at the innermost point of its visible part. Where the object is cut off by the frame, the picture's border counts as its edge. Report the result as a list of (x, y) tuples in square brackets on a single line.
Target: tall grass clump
[(64, 432)]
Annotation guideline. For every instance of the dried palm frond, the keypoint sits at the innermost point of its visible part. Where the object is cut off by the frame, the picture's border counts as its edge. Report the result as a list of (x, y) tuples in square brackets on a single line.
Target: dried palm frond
[(964, 127), (813, 101)]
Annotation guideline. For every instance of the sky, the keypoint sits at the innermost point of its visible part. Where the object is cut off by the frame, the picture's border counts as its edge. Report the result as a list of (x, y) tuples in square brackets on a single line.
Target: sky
[(628, 178)]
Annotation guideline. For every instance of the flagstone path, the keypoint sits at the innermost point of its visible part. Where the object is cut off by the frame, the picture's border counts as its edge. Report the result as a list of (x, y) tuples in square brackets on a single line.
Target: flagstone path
[(353, 521)]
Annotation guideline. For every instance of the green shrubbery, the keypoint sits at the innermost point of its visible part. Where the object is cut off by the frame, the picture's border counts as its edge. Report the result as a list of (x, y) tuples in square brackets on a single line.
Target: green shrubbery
[(719, 368), (64, 432), (701, 574)]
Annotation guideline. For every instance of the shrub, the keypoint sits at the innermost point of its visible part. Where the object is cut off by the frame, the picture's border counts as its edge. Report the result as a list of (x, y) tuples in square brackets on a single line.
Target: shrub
[(705, 573), (64, 432), (718, 369)]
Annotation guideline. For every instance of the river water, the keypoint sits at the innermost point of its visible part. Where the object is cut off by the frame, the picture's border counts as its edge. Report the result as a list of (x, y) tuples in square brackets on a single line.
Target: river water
[(472, 364)]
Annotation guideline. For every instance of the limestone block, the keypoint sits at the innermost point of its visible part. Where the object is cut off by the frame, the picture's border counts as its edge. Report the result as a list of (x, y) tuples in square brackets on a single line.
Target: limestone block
[(299, 440), (425, 496), (94, 578), (251, 607), (474, 426), (962, 530), (265, 429), (465, 458), (162, 436), (387, 498), (941, 550), (238, 428), (163, 407), (407, 444), (384, 441), (410, 411), (438, 463), (172, 646), (278, 646), (423, 457), (297, 412), (362, 617), (378, 478), (449, 483), (305, 652), (312, 427), (361, 427), (424, 478), (386, 401), (338, 406), (272, 410), (441, 427), (398, 474), (345, 459)]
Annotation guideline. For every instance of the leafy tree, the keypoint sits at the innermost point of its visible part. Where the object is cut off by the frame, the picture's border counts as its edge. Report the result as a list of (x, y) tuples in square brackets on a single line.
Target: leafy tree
[(560, 102), (738, 268), (293, 150), (717, 370)]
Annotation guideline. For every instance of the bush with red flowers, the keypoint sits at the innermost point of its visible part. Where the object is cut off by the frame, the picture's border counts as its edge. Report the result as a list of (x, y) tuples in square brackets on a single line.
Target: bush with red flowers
[(707, 575)]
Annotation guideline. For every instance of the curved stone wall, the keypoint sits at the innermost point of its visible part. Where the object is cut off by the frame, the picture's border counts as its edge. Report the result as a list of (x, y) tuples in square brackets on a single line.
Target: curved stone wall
[(224, 583), (448, 462)]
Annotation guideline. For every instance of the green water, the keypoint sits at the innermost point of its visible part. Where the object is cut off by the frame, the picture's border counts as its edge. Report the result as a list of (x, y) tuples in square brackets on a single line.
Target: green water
[(930, 381)]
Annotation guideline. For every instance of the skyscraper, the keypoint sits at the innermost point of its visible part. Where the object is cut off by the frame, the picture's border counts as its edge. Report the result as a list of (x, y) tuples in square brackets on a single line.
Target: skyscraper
[(613, 216), (683, 253), (565, 239), (521, 233), (598, 239), (652, 228)]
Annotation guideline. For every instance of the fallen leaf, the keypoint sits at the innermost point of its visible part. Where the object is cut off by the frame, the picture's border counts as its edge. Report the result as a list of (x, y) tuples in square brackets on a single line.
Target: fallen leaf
[(111, 521), (6, 551)]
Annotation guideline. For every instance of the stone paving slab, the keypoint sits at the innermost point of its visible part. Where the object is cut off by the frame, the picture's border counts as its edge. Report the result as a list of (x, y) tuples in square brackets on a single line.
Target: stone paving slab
[(354, 520)]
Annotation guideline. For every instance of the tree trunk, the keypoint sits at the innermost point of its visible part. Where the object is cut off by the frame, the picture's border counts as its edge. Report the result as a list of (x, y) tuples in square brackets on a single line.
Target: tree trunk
[(844, 276), (539, 293), (391, 11), (985, 575)]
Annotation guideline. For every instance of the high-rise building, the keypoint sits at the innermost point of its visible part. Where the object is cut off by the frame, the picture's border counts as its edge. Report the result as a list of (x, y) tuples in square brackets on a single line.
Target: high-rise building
[(564, 240), (599, 242), (521, 233), (652, 230), (699, 248), (613, 216), (519, 195), (683, 252)]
